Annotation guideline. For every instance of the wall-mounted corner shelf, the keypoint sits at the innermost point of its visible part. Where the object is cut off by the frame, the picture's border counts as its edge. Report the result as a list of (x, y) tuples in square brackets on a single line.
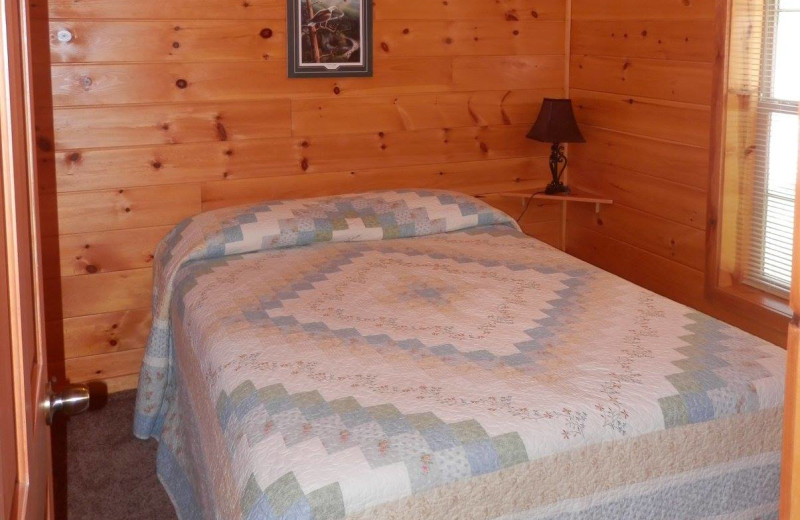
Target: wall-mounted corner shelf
[(574, 196)]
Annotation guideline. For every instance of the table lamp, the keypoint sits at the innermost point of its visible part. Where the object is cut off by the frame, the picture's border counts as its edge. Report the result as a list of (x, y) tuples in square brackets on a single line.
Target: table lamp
[(556, 124)]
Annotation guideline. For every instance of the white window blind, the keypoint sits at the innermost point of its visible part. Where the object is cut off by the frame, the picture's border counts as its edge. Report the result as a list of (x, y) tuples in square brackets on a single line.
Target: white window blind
[(762, 136)]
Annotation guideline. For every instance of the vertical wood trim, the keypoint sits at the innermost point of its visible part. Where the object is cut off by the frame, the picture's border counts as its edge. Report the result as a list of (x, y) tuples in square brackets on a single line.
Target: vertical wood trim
[(567, 45), (567, 61), (790, 462), (29, 361), (717, 149)]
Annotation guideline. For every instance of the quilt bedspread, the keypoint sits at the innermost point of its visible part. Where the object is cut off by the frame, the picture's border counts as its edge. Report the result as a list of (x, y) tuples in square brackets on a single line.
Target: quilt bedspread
[(460, 370)]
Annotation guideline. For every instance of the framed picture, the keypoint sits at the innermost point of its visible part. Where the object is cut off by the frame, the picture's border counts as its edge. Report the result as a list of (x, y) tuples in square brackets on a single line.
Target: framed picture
[(330, 38)]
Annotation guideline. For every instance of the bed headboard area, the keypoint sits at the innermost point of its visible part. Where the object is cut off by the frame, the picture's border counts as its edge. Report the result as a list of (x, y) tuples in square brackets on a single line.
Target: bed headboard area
[(163, 109)]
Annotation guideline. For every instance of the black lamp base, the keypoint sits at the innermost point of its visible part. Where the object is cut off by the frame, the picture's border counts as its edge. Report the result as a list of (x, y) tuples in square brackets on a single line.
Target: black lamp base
[(556, 188)]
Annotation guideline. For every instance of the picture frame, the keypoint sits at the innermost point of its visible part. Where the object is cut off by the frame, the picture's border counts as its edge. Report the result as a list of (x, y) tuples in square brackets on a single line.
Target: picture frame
[(329, 38)]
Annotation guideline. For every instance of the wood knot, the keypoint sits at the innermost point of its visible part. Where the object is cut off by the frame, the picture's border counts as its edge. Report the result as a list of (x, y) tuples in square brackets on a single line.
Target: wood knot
[(112, 342), (304, 164), (511, 16), (91, 269), (484, 148), (222, 133), (74, 157), (406, 30), (337, 90), (385, 46), (535, 14), (157, 165), (44, 144), (176, 45), (181, 83), (265, 33), (305, 144)]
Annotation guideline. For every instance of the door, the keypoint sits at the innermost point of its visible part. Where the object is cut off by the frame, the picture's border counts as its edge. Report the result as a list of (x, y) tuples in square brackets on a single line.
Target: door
[(25, 438), (790, 462)]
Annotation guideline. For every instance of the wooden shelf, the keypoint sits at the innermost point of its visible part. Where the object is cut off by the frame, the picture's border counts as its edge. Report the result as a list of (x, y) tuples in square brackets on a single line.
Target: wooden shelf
[(539, 193), (566, 197), (575, 197)]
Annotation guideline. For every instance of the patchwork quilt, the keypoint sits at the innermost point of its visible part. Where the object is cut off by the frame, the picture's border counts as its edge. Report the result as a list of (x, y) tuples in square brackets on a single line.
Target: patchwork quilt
[(412, 354)]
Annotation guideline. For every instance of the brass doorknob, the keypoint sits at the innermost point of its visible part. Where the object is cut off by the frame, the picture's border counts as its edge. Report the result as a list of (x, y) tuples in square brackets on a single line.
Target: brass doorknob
[(70, 400)]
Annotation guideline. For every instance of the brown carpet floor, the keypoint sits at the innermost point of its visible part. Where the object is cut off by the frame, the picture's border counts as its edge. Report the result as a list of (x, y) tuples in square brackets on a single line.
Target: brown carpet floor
[(109, 473)]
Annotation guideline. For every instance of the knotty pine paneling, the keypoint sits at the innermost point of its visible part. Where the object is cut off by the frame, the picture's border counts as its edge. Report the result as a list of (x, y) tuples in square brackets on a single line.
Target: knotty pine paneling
[(666, 160), (679, 11), (641, 81), (161, 109), (671, 200), (510, 10), (689, 40), (116, 126), (686, 81), (469, 177), (263, 40)]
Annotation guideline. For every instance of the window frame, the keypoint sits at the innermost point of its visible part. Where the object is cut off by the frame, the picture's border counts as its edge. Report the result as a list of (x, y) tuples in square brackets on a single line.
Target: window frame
[(768, 105), (742, 302)]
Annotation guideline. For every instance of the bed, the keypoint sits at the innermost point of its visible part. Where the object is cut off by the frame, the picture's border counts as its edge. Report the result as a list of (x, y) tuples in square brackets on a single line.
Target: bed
[(412, 354)]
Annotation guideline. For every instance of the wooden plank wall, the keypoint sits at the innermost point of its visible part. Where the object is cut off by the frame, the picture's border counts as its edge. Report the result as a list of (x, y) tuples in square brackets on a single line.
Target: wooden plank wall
[(641, 82), (163, 109)]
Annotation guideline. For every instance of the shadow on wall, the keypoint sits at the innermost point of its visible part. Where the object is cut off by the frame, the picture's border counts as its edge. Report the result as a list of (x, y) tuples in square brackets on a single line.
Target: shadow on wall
[(59, 436), (48, 223)]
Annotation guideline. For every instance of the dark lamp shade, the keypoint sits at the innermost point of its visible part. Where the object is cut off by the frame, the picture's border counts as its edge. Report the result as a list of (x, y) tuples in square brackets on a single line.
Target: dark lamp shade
[(556, 123)]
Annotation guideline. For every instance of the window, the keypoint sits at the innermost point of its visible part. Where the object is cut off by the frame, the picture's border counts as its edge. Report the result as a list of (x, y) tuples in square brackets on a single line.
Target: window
[(762, 127)]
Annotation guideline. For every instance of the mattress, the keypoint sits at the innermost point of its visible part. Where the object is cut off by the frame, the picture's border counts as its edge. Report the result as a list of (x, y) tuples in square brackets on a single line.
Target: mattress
[(412, 354)]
